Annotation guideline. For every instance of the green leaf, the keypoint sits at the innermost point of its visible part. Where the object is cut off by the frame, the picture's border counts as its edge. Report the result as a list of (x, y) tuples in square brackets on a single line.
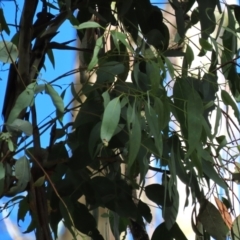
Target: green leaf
[(51, 57), (194, 120), (134, 135), (189, 55), (20, 125), (156, 193), (106, 98), (23, 175), (175, 232), (23, 208), (89, 24), (75, 94), (25, 99), (8, 52), (153, 72), (3, 23), (153, 123), (170, 67), (2, 178), (205, 44), (236, 228), (209, 170), (98, 46), (229, 101), (145, 211), (110, 120), (212, 221), (122, 38), (56, 99)]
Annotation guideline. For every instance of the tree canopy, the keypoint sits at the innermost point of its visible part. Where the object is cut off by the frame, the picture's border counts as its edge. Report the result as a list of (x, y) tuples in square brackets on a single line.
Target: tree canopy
[(138, 108)]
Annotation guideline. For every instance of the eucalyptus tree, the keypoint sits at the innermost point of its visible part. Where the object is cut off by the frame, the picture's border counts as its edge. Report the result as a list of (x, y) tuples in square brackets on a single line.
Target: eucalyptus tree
[(121, 122)]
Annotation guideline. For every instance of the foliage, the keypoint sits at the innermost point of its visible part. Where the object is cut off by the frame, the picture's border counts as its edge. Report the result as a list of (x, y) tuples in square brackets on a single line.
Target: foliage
[(121, 122)]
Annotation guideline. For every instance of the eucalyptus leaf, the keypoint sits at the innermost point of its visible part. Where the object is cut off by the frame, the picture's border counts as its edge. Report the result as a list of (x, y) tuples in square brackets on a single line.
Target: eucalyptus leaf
[(2, 178), (20, 125), (8, 52), (110, 120), (24, 100)]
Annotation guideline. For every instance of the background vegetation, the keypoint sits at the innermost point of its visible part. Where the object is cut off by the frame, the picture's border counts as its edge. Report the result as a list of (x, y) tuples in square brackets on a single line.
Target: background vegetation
[(128, 115)]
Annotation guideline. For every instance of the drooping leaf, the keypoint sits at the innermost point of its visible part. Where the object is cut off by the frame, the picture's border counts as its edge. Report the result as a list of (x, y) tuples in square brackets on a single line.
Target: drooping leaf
[(51, 57), (229, 101), (98, 46), (8, 52), (212, 221), (145, 211), (134, 134), (224, 213), (152, 120), (20, 125), (22, 173), (169, 234), (56, 99), (89, 24), (236, 228), (4, 25), (110, 120), (25, 99), (156, 193), (2, 178), (23, 208), (194, 120)]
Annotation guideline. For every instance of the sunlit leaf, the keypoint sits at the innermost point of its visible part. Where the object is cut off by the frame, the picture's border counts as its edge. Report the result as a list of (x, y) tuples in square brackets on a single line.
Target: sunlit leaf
[(224, 213), (56, 99), (20, 125), (110, 120), (8, 52), (89, 24), (24, 100)]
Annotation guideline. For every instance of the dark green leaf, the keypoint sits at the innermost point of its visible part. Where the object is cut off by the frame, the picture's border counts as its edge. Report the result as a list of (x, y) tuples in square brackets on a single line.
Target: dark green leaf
[(156, 193), (3, 23), (145, 211), (23, 208), (212, 221), (229, 101), (110, 120)]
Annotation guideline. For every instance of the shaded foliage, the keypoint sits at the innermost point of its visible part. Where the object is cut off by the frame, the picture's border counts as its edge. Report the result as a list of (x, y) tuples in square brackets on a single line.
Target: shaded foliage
[(120, 123)]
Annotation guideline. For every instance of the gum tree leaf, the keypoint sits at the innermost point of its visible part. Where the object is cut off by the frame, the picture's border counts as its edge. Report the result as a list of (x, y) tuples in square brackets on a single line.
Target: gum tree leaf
[(110, 120), (22, 173), (4, 25), (2, 178), (224, 213), (229, 101), (21, 125), (212, 221), (89, 24), (8, 52), (23, 208), (236, 228), (194, 120), (25, 99), (156, 193), (134, 139), (145, 211), (56, 99), (98, 46), (106, 98)]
